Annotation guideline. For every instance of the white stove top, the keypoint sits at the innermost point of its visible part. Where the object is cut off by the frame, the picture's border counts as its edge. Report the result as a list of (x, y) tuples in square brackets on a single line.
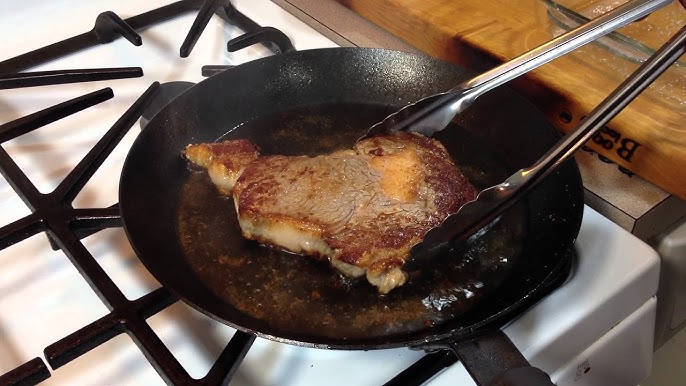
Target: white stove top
[(43, 298)]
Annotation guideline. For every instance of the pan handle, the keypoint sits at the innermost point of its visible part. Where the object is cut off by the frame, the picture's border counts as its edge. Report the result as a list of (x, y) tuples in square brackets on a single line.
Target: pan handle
[(492, 359)]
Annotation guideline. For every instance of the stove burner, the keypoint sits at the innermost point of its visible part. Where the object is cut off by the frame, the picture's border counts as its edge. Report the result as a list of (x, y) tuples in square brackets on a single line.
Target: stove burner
[(108, 27), (53, 213), (65, 225)]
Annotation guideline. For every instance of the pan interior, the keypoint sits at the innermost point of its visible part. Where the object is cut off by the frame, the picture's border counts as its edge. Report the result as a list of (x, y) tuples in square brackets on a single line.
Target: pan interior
[(307, 297), (186, 236)]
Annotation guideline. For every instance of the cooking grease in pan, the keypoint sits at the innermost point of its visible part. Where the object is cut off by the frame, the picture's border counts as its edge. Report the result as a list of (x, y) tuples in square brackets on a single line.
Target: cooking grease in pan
[(298, 293)]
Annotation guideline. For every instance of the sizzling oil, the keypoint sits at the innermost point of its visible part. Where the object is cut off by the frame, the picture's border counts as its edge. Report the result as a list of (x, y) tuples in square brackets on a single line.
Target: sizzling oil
[(298, 293)]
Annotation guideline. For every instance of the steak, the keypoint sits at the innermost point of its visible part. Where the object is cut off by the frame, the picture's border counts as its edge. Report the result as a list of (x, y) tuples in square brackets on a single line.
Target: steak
[(363, 208)]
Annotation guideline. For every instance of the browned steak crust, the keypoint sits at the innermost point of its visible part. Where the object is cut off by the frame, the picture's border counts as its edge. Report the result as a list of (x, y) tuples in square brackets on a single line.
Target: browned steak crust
[(363, 209)]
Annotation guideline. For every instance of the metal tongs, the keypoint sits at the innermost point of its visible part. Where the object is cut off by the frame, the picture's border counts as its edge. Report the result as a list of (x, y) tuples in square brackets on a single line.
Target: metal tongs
[(492, 202), (434, 113)]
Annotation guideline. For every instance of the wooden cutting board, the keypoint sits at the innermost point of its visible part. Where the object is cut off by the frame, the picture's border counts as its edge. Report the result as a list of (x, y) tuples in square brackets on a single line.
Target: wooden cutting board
[(648, 138)]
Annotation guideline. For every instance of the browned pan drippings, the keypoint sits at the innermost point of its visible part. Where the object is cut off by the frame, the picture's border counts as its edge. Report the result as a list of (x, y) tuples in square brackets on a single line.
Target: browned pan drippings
[(297, 293)]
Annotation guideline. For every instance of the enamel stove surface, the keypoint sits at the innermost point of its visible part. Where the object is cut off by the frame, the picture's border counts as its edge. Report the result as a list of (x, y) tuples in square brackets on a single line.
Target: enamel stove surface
[(595, 329)]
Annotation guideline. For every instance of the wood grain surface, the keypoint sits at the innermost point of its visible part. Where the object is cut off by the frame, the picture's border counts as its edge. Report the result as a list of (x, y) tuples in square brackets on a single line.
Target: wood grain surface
[(648, 138)]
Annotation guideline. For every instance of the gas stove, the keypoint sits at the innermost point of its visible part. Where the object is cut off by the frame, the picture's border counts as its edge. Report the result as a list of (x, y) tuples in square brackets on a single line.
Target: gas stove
[(596, 328)]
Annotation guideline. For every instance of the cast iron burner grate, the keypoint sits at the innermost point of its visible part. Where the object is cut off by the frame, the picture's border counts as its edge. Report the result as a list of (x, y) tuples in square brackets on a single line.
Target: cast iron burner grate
[(65, 226)]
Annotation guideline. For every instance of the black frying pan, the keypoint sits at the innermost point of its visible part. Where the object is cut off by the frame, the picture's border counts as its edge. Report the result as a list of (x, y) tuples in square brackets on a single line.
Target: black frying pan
[(316, 101)]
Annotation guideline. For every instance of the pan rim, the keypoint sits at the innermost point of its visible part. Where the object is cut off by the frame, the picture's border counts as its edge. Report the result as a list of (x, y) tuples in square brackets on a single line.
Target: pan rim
[(383, 342)]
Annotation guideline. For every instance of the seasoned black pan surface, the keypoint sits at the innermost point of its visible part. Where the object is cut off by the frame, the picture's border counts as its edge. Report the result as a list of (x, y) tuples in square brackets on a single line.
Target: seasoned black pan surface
[(313, 102)]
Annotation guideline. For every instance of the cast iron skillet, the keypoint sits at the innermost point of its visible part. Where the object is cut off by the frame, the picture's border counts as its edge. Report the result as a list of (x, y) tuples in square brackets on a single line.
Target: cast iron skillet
[(316, 101)]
